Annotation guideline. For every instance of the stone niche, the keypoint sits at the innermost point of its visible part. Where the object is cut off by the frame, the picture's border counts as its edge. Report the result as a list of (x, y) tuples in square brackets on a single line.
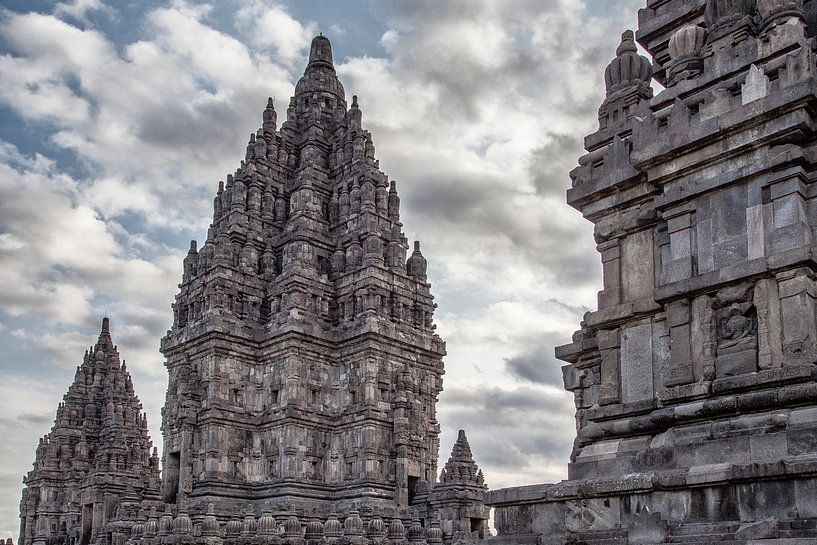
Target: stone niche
[(736, 326)]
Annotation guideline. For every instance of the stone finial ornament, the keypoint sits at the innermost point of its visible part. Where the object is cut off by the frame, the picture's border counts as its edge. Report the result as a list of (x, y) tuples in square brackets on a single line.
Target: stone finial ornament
[(685, 48), (376, 528), (434, 534), (152, 524), (721, 13), (166, 522), (629, 68), (210, 527), (397, 531), (687, 43), (314, 529), (266, 523), (333, 527), (416, 533), (233, 527), (250, 526), (320, 52), (270, 117), (353, 525), (774, 12), (417, 264), (182, 525), (292, 526)]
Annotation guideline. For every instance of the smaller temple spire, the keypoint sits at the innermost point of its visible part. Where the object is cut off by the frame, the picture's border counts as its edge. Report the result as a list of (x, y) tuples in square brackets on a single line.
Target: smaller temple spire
[(270, 117), (99, 436), (629, 68), (460, 467), (320, 53), (416, 265)]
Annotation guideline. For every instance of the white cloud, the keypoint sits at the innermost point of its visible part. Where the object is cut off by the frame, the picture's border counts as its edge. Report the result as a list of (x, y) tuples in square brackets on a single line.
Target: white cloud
[(81, 9), (270, 26), (59, 254), (163, 118)]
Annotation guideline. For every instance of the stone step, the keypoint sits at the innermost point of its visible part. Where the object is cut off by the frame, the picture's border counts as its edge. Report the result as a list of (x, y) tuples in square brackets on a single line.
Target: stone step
[(706, 528), (714, 537), (798, 524)]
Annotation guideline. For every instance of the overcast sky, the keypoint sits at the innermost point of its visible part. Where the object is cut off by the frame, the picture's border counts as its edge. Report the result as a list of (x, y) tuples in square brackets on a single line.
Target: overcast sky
[(118, 118)]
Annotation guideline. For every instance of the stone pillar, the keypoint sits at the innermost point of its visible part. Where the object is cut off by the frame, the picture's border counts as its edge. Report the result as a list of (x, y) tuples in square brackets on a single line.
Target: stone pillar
[(611, 264), (636, 364), (610, 389), (678, 319), (769, 326), (797, 310), (790, 228), (679, 227), (703, 339)]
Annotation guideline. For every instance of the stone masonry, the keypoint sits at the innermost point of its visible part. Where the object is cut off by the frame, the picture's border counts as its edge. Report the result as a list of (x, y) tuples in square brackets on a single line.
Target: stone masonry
[(96, 463), (695, 381), (303, 366)]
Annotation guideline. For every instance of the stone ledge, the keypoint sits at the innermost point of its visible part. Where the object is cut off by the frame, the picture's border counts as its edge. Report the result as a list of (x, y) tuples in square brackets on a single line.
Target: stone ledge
[(699, 476)]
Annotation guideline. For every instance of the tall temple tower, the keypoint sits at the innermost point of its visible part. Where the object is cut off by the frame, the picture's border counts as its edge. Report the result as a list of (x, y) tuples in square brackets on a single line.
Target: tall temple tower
[(303, 364), (96, 463), (695, 380)]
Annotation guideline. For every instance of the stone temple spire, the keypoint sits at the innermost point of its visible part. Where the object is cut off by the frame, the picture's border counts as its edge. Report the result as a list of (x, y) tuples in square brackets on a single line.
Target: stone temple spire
[(704, 343), (320, 54), (459, 495), (303, 347), (460, 469), (97, 448)]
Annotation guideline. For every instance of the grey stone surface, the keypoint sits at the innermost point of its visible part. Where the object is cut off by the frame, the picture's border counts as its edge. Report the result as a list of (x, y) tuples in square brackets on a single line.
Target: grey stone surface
[(721, 448), (97, 463), (303, 370)]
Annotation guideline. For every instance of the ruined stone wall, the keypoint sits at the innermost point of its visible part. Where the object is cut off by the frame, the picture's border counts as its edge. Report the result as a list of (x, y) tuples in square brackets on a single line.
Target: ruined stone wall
[(694, 380)]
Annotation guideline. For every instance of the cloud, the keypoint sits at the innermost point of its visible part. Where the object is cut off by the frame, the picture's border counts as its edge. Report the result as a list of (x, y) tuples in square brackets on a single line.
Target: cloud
[(548, 163), (35, 418), (269, 25), (80, 10), (156, 121), (67, 265), (537, 365), (518, 435), (478, 109)]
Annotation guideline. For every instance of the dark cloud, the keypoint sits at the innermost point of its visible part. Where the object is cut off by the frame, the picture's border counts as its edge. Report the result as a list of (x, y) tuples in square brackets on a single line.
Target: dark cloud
[(549, 164), (537, 365), (511, 429), (35, 418)]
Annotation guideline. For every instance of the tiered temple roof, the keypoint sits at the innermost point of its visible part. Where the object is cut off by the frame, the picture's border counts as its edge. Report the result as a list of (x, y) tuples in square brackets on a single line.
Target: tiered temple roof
[(98, 446)]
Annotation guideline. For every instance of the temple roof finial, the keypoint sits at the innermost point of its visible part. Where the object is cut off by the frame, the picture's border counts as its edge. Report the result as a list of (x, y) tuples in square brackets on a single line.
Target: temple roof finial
[(320, 53)]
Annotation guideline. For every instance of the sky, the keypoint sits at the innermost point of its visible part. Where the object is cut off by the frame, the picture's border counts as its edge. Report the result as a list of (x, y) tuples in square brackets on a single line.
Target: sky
[(118, 118)]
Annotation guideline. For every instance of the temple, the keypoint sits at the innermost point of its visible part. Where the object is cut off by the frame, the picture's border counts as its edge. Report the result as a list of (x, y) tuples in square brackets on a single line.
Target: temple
[(97, 463), (304, 368), (695, 381), (303, 365)]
